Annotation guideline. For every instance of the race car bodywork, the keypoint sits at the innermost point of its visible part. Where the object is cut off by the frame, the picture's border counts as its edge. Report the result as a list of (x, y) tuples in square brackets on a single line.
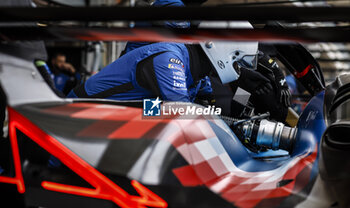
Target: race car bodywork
[(98, 153)]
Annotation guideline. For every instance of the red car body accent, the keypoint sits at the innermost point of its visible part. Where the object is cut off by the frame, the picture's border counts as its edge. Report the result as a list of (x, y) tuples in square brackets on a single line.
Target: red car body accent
[(304, 72), (104, 187), (187, 176), (18, 179)]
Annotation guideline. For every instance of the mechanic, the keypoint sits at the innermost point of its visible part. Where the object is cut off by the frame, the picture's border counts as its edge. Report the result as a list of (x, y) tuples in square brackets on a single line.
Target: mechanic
[(256, 80), (267, 84), (65, 76), (171, 71)]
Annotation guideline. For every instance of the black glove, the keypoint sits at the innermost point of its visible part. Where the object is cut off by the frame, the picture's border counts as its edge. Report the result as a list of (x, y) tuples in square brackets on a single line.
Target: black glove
[(282, 87), (270, 69), (254, 82)]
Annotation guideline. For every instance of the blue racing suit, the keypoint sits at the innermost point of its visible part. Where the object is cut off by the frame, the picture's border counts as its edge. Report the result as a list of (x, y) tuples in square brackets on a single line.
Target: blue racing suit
[(159, 69)]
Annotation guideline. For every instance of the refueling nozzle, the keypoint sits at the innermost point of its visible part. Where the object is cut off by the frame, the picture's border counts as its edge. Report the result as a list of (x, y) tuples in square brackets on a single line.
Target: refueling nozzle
[(272, 135)]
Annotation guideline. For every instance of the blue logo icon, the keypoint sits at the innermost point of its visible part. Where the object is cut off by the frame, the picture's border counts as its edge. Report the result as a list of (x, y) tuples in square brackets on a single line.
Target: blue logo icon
[(151, 107)]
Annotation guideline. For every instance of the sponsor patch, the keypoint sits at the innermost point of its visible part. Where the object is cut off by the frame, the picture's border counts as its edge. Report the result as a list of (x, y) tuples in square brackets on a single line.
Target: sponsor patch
[(176, 61), (179, 78), (173, 66), (179, 73), (179, 85)]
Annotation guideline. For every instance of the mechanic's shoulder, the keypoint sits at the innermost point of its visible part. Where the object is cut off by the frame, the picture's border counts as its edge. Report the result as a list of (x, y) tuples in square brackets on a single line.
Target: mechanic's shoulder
[(170, 46)]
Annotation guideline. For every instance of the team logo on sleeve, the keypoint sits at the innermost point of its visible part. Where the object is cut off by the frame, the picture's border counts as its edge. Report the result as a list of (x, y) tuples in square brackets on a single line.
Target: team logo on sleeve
[(177, 61), (151, 107)]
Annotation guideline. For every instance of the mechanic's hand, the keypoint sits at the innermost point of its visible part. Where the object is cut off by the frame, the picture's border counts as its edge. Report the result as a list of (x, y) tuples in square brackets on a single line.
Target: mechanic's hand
[(282, 87), (270, 69), (285, 96), (254, 82), (264, 89)]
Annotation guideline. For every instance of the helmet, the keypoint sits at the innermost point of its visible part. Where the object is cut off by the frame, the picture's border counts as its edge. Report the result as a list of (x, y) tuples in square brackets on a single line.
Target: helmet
[(228, 57)]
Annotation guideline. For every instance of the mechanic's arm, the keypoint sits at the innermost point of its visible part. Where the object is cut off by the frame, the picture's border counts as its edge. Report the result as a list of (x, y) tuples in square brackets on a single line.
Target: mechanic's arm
[(171, 77)]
